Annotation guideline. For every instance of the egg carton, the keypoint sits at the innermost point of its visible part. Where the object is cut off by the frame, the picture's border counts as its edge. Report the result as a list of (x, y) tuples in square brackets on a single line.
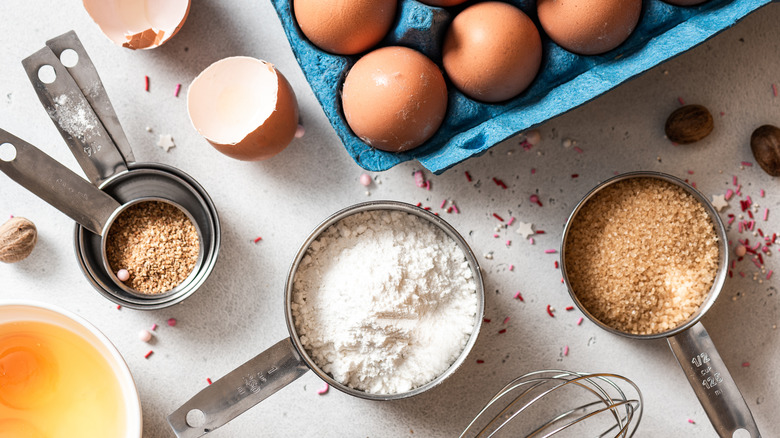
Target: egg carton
[(565, 80)]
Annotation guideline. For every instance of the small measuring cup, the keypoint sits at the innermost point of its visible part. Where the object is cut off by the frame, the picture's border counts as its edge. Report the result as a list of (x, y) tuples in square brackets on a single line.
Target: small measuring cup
[(689, 341), (278, 366), (70, 89)]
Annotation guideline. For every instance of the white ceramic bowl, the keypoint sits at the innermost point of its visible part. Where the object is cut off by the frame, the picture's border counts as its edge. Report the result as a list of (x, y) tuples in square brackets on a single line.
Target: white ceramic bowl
[(11, 311)]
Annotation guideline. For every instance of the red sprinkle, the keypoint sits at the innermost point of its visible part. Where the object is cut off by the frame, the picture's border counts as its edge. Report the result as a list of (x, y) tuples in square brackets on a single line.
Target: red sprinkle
[(118, 307), (499, 183), (774, 90), (680, 99), (146, 356), (506, 320), (535, 200), (208, 380), (745, 364), (172, 322), (502, 331), (575, 175), (468, 176), (498, 217), (578, 150), (570, 308), (556, 264), (519, 296), (257, 239), (146, 83), (549, 311), (480, 361), (539, 231), (747, 164), (485, 320)]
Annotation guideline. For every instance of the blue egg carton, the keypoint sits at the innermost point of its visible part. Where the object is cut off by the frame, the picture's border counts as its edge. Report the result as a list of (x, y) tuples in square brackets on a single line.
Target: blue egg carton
[(565, 80)]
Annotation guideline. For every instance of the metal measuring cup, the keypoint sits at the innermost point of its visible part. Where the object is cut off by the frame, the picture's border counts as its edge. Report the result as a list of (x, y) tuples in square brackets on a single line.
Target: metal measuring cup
[(280, 365), (689, 341), (76, 101)]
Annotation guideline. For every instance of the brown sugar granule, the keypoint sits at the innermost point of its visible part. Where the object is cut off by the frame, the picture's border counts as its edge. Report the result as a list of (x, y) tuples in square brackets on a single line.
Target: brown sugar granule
[(642, 255), (157, 244)]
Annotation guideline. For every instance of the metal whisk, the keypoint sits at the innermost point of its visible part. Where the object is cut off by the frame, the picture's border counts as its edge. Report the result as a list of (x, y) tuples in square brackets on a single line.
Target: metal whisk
[(576, 403)]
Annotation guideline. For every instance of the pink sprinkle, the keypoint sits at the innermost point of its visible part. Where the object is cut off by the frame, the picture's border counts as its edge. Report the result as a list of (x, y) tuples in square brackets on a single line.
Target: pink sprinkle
[(533, 170), (550, 251), (178, 88), (769, 274), (739, 227), (519, 296), (680, 99), (146, 356), (172, 322), (531, 240), (745, 364), (324, 390), (766, 213), (427, 185), (154, 327), (566, 350), (506, 320), (300, 131), (694, 185), (365, 180), (690, 172), (146, 83), (511, 267), (495, 236), (762, 193), (774, 90), (455, 207), (731, 219), (691, 421), (419, 179), (579, 321), (729, 194), (508, 242), (257, 239), (208, 380), (742, 274), (535, 200), (123, 275), (511, 221), (443, 203), (747, 164), (578, 150)]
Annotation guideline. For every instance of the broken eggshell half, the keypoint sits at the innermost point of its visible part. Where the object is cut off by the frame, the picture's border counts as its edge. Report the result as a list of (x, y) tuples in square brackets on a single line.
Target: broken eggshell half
[(244, 107), (138, 24)]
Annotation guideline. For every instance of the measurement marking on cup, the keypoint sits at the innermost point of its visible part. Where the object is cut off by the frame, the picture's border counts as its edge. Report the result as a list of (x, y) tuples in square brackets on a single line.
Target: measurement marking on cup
[(253, 382), (710, 381)]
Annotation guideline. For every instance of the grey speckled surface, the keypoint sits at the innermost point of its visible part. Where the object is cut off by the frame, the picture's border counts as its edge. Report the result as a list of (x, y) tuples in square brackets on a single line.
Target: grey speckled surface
[(239, 311)]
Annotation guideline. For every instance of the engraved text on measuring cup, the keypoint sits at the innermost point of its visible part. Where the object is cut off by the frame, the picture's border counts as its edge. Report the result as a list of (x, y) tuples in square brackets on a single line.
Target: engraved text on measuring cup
[(709, 379), (70, 189), (253, 382)]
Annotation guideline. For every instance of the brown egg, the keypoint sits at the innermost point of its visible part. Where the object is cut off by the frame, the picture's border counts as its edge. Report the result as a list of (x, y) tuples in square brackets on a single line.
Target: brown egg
[(492, 51), (394, 98), (345, 27), (685, 2), (443, 3), (244, 107), (589, 27)]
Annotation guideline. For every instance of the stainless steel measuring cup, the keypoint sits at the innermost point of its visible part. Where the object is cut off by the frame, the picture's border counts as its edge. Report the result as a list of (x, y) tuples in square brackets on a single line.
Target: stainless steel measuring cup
[(73, 95), (281, 364), (690, 342)]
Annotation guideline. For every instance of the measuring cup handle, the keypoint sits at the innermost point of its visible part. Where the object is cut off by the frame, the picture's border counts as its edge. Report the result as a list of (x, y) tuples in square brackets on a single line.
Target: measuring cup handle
[(712, 383), (239, 390)]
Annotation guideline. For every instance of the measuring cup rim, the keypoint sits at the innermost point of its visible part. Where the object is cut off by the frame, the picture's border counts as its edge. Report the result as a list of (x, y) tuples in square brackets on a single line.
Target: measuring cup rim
[(720, 232), (104, 243), (441, 225)]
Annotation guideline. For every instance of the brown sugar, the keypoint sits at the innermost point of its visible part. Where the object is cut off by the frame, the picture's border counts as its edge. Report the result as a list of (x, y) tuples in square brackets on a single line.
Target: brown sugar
[(641, 255), (156, 243)]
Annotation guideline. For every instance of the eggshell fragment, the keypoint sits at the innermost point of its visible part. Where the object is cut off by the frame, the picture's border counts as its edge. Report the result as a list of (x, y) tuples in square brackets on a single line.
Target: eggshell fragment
[(345, 27), (244, 107), (492, 51), (138, 24), (394, 98), (589, 27)]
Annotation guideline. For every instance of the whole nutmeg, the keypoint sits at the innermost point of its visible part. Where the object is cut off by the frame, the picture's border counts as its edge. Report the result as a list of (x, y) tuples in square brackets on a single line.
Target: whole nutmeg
[(689, 124), (17, 239), (765, 144)]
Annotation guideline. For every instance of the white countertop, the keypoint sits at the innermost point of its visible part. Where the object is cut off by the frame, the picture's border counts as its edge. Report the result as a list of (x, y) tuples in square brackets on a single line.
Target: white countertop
[(239, 311)]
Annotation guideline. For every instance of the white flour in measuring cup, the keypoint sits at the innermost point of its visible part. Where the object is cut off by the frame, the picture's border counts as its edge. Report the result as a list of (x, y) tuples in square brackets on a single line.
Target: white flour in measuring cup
[(383, 301)]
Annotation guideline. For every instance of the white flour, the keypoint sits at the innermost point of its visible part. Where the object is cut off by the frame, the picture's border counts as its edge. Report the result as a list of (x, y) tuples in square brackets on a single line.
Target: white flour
[(384, 302)]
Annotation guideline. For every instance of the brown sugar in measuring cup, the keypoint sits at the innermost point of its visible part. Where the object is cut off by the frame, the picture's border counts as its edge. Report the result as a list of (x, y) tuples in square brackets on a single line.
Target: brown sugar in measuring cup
[(605, 281)]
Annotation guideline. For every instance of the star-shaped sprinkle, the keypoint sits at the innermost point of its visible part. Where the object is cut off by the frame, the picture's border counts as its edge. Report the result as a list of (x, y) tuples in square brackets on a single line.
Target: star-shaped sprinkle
[(525, 229), (719, 202), (166, 142)]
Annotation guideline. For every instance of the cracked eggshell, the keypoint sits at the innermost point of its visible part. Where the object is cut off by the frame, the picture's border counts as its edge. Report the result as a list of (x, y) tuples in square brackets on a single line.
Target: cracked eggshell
[(394, 98), (138, 24), (244, 107)]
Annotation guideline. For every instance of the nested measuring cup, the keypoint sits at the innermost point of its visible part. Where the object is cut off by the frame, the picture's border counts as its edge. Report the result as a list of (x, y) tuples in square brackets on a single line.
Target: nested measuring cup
[(70, 89), (280, 365), (689, 341)]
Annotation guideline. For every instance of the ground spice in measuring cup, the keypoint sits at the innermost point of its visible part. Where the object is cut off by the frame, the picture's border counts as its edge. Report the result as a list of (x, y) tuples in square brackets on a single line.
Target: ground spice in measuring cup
[(156, 243)]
